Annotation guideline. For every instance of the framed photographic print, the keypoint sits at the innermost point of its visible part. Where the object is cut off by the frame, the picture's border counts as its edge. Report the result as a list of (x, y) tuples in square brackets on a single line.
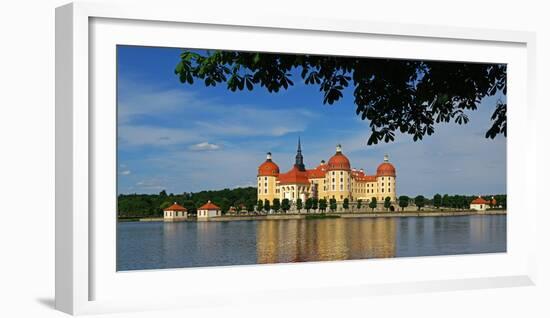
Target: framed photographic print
[(194, 190), (194, 151)]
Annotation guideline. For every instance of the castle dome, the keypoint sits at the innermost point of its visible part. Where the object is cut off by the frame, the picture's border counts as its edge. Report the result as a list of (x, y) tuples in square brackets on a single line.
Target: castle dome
[(339, 161), (268, 168), (386, 168)]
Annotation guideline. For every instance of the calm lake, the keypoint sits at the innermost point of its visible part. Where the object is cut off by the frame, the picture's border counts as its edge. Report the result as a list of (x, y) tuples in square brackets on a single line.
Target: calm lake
[(155, 245)]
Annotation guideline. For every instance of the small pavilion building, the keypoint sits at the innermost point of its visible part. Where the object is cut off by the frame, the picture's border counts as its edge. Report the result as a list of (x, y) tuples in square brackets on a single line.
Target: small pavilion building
[(480, 204), (175, 213), (207, 211)]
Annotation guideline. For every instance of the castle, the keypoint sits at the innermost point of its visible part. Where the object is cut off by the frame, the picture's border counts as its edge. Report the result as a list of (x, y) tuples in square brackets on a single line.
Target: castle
[(334, 179)]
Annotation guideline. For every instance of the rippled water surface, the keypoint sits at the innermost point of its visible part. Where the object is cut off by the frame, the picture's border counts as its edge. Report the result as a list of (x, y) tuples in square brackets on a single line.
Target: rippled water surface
[(154, 245)]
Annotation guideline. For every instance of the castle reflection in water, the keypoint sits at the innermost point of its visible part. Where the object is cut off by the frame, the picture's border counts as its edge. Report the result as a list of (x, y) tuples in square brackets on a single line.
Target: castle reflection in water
[(307, 240)]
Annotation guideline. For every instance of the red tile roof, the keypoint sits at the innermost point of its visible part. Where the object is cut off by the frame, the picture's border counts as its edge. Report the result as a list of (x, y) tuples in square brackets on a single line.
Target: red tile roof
[(318, 172), (339, 162), (366, 178), (480, 200), (360, 176), (385, 169), (294, 176), (175, 207), (209, 206), (268, 168)]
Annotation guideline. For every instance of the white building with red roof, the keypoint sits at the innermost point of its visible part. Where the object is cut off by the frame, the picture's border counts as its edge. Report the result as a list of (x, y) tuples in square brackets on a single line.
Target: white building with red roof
[(175, 213), (207, 211), (335, 179), (480, 204)]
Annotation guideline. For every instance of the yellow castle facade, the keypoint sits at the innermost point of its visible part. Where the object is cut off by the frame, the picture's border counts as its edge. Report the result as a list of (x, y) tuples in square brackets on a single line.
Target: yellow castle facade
[(335, 179)]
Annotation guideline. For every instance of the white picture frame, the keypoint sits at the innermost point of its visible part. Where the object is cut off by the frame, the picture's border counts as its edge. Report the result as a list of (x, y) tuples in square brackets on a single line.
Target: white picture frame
[(85, 280)]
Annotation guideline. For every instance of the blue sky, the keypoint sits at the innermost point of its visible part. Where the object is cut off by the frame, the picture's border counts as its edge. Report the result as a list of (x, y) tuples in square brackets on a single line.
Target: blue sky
[(188, 138)]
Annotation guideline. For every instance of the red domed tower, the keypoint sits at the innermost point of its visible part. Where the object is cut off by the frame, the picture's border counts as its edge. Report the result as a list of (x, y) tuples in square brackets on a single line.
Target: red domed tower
[(337, 177), (339, 161), (385, 177), (268, 172), (268, 167)]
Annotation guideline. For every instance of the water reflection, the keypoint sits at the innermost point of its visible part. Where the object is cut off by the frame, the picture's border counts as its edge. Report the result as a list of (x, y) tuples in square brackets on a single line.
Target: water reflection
[(150, 245), (323, 240)]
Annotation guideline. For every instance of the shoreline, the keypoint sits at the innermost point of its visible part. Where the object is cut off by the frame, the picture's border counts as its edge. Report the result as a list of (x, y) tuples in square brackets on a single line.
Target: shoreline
[(303, 216)]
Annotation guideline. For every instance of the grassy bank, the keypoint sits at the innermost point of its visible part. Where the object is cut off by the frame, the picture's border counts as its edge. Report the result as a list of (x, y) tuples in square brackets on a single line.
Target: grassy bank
[(320, 216)]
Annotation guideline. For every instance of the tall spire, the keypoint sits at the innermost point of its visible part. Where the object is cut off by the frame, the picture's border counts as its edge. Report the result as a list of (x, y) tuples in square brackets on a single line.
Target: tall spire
[(299, 158)]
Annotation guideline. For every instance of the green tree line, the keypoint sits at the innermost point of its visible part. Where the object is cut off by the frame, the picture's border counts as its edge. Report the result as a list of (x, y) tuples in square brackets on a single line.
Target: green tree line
[(450, 201), (151, 205)]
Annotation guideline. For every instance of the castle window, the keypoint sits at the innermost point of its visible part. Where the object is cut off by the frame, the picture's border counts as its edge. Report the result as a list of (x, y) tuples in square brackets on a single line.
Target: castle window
[(265, 178), (333, 187), (265, 191), (341, 180), (266, 184)]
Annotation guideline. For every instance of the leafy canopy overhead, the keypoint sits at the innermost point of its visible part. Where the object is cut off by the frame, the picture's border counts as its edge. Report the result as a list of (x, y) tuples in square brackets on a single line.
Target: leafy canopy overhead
[(408, 96)]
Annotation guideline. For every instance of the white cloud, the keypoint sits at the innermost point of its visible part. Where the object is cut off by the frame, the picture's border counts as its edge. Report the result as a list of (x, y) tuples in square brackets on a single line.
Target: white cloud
[(254, 120), (205, 146), (138, 135), (249, 129), (125, 172), (137, 99), (149, 185), (176, 116)]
